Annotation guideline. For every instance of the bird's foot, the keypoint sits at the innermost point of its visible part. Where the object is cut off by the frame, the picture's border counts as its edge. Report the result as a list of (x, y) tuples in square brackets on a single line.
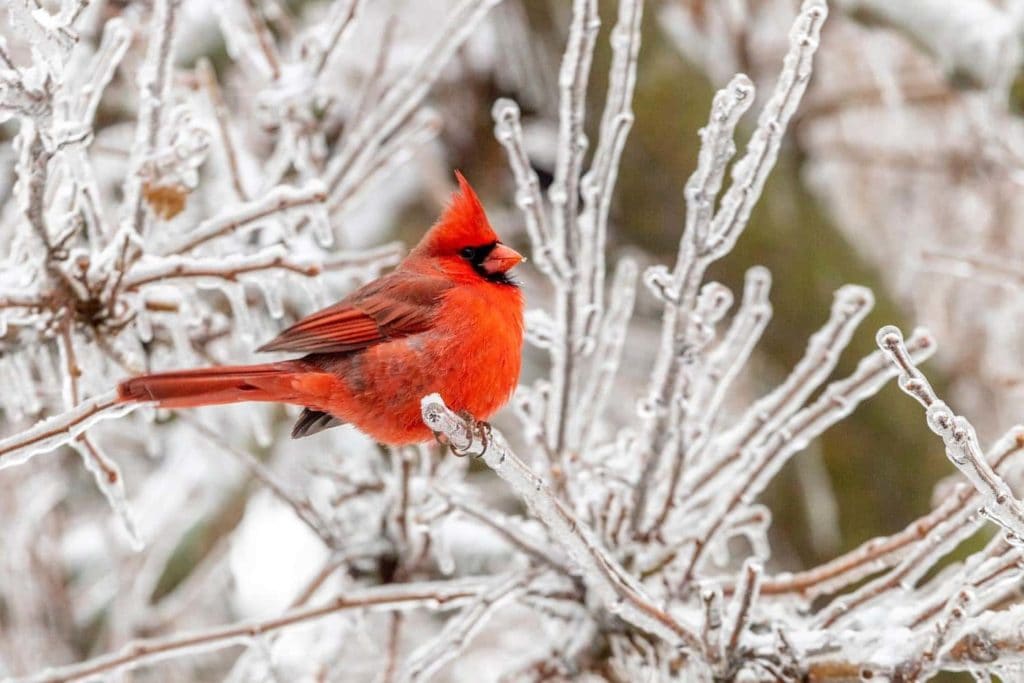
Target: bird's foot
[(478, 429)]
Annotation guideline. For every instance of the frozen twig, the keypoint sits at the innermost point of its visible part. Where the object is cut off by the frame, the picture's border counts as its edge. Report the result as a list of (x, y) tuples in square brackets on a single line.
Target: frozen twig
[(744, 600), (509, 132), (178, 267), (58, 430), (764, 419), (208, 78), (620, 593), (154, 89), (425, 595), (750, 172), (362, 144), (958, 435), (710, 235), (277, 201), (460, 629), (879, 554)]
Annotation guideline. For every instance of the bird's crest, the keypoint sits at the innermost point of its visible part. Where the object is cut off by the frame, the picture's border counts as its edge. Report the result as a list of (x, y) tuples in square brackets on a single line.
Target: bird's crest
[(463, 224)]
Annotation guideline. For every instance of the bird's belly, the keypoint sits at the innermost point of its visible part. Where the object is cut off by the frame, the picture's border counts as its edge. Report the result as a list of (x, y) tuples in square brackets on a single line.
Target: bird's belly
[(382, 386)]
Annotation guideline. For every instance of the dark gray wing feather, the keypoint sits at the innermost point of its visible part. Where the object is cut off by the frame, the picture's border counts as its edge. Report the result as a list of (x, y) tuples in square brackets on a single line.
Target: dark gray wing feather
[(312, 422)]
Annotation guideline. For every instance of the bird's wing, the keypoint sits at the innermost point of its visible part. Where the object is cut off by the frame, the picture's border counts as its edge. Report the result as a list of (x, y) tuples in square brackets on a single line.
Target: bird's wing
[(313, 422), (397, 305)]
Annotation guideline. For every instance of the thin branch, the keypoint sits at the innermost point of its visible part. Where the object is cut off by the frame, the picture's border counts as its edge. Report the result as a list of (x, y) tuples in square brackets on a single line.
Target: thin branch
[(208, 78), (180, 267), (278, 200), (959, 437), (428, 659), (263, 38), (882, 553), (437, 595), (339, 27), (744, 600), (154, 88), (53, 432)]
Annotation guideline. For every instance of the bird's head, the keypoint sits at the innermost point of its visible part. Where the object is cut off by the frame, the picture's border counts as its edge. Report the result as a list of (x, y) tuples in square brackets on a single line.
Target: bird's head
[(463, 244)]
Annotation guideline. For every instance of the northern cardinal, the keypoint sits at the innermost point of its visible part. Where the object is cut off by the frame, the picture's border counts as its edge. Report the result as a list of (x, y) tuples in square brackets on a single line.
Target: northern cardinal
[(448, 319)]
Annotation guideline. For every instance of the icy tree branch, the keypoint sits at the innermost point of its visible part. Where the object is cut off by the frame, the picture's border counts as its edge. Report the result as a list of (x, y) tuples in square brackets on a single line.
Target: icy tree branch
[(60, 429), (427, 595), (962, 447), (620, 593)]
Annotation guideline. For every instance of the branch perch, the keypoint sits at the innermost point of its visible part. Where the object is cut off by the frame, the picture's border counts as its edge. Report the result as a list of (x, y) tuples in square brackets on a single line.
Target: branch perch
[(620, 593)]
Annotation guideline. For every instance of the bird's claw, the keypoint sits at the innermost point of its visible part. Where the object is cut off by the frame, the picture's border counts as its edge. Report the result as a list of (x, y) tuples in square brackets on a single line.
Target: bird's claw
[(478, 429)]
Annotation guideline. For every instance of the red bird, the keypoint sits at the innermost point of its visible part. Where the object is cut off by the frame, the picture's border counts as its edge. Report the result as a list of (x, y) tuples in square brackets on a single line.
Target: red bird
[(449, 319)]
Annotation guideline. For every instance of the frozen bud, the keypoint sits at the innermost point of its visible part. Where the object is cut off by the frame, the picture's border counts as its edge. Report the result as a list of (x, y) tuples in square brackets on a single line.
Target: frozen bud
[(658, 281)]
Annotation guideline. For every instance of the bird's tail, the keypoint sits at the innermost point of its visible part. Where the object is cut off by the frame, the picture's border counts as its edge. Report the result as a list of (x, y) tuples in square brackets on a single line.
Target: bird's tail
[(216, 386)]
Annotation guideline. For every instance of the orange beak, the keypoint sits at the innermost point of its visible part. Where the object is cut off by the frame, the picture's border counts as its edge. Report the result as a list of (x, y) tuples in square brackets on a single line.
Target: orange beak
[(501, 259)]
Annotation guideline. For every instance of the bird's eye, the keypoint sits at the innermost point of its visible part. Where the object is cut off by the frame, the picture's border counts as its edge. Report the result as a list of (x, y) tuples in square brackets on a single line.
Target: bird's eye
[(467, 253)]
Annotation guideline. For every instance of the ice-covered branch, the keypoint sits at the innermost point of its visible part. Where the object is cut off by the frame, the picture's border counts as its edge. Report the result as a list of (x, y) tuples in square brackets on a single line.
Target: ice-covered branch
[(455, 637), (750, 173), (401, 98), (509, 132), (427, 595), (666, 403), (572, 83), (280, 200), (58, 430), (619, 593), (154, 88), (180, 267), (882, 553), (745, 597), (958, 435)]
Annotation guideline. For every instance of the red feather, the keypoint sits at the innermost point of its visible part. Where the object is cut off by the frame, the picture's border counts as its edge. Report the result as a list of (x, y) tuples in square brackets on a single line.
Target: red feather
[(396, 305), (435, 324)]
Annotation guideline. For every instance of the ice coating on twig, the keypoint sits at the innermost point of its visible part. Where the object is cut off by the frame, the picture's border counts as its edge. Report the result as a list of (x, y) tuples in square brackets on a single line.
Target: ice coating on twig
[(958, 435), (620, 593), (58, 430)]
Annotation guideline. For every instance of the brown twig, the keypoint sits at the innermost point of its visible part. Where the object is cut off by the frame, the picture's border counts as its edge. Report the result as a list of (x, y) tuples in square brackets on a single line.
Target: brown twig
[(208, 78), (266, 41)]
